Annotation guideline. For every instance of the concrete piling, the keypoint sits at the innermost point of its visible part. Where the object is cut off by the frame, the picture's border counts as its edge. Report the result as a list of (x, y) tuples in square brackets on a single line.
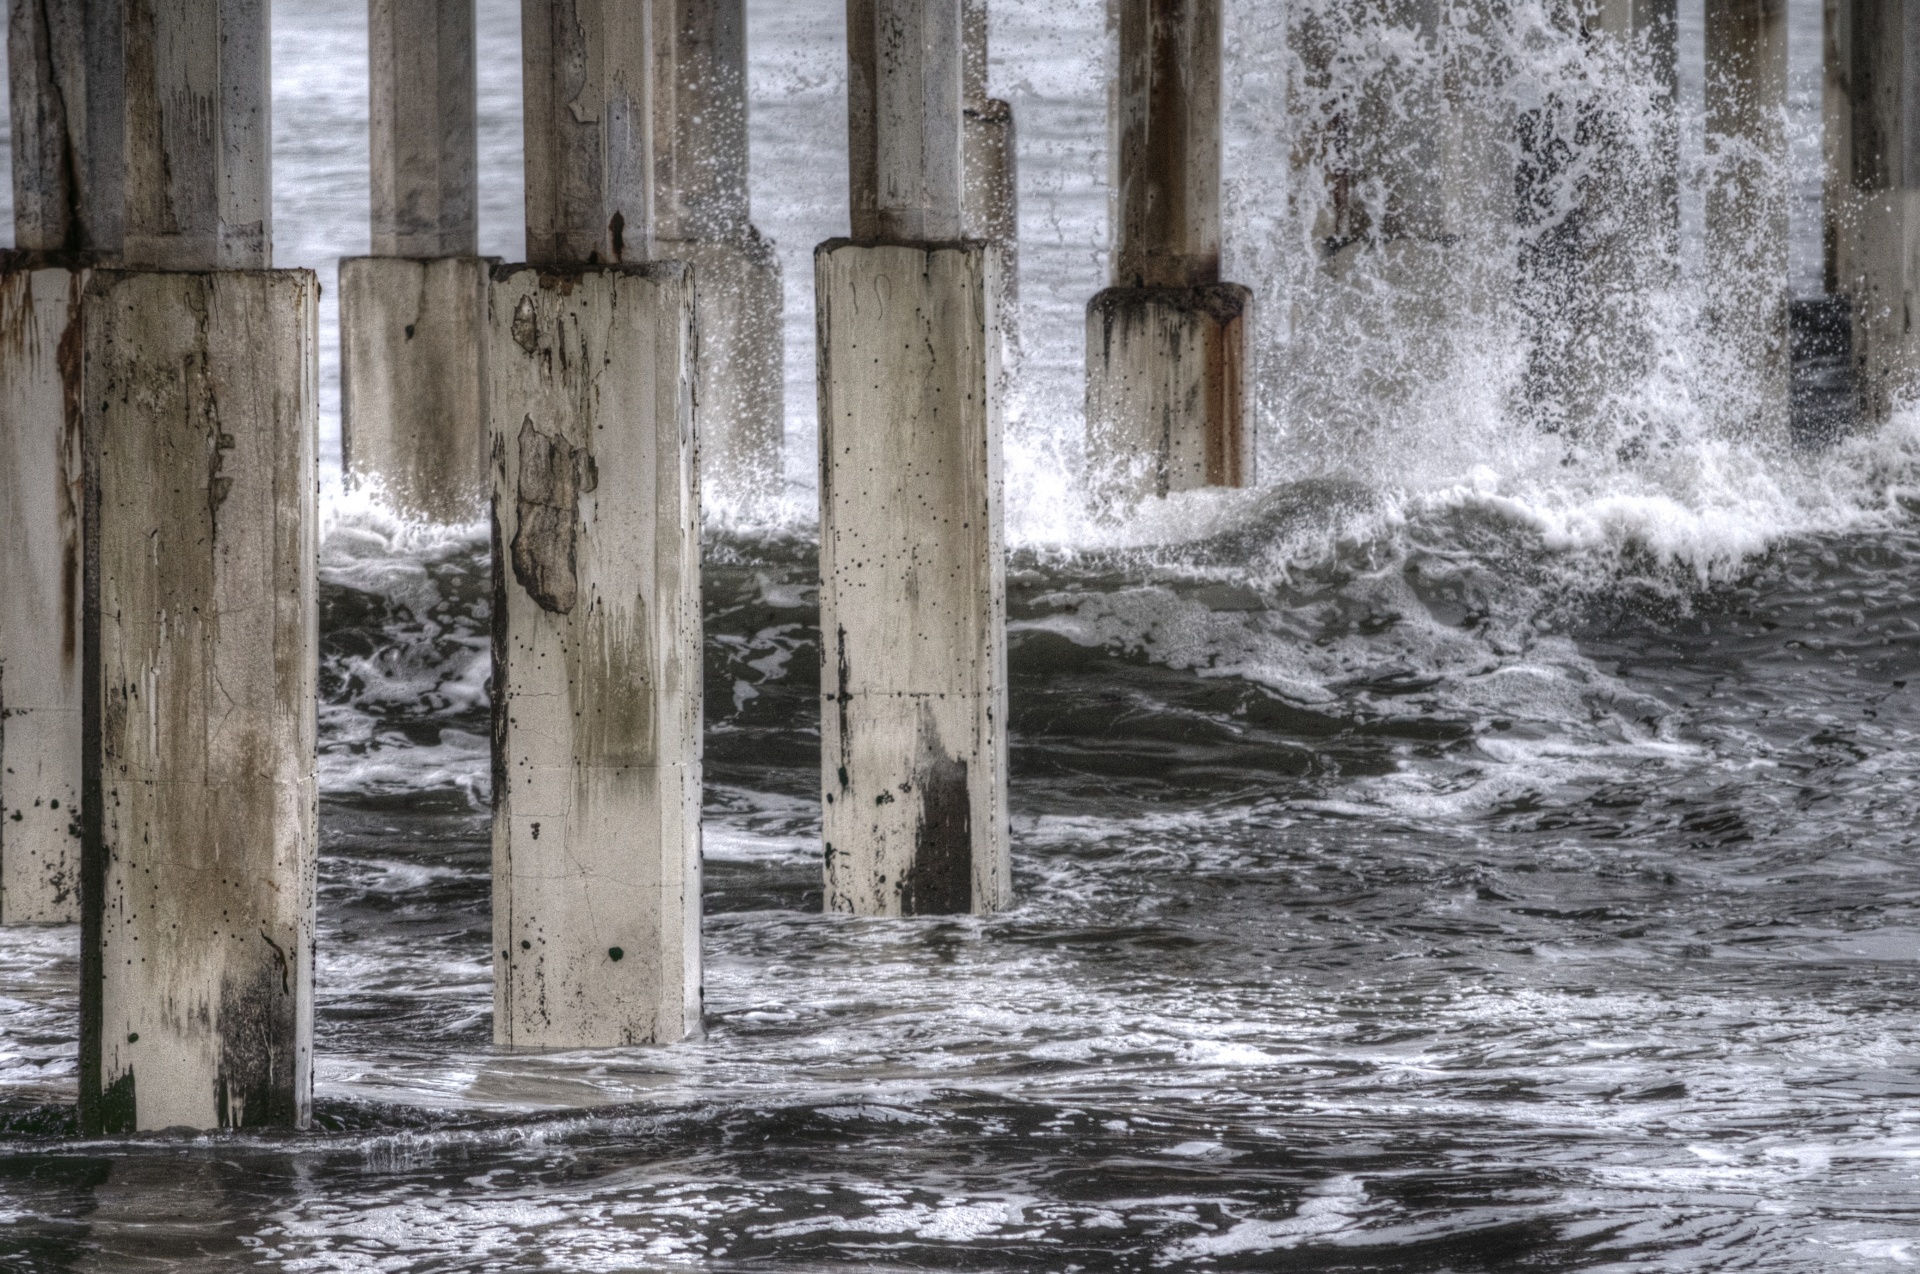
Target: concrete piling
[(41, 503), (912, 589), (202, 645), (1166, 344), (596, 523), (64, 67), (412, 382), (1746, 207), (597, 694), (198, 135), (990, 180), (199, 421), (412, 315), (904, 144), (65, 96), (702, 215), (588, 115)]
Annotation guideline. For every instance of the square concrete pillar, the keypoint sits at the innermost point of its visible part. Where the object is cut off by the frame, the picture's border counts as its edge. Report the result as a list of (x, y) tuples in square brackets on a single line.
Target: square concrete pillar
[(1166, 403), (990, 162), (990, 200), (201, 650), (41, 508), (702, 215), (597, 629), (912, 580), (412, 382)]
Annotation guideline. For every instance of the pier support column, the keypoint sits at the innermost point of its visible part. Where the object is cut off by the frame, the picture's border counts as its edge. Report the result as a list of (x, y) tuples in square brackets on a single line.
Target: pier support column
[(412, 315), (197, 957), (41, 503), (1167, 344), (990, 191), (597, 695), (596, 523), (199, 420), (1876, 237), (64, 91), (1746, 208), (912, 583), (702, 215)]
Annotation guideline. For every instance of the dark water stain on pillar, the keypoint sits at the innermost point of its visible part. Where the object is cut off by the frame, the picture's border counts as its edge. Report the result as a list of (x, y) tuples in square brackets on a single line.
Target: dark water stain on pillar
[(940, 880), (254, 1087)]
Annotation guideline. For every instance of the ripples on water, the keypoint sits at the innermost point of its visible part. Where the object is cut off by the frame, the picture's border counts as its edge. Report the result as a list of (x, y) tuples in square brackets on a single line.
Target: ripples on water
[(1495, 873)]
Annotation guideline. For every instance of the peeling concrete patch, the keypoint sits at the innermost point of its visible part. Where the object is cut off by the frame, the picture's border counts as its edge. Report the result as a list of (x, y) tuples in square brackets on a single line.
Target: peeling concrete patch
[(543, 537)]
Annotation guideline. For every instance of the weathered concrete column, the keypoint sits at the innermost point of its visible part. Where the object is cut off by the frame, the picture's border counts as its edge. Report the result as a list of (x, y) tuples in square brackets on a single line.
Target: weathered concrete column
[(412, 315), (65, 84), (198, 135), (41, 502), (1746, 208), (596, 516), (587, 81), (990, 191), (702, 215), (199, 420), (912, 588), (202, 642), (1876, 237), (1166, 345), (63, 59), (905, 152), (597, 629)]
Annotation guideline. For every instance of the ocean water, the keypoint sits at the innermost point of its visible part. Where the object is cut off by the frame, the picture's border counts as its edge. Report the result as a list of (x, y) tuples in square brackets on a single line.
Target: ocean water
[(1484, 846)]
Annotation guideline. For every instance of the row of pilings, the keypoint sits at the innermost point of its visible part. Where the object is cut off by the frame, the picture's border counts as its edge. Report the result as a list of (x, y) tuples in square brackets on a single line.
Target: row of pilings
[(158, 625)]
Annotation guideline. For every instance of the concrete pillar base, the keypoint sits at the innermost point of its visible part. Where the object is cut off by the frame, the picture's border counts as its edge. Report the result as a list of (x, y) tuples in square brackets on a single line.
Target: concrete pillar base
[(597, 693), (200, 821), (1166, 390), (741, 374), (912, 580), (41, 505), (412, 379)]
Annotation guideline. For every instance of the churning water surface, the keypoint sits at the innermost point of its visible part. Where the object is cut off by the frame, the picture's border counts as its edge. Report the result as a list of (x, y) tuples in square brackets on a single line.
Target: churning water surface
[(1481, 847)]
